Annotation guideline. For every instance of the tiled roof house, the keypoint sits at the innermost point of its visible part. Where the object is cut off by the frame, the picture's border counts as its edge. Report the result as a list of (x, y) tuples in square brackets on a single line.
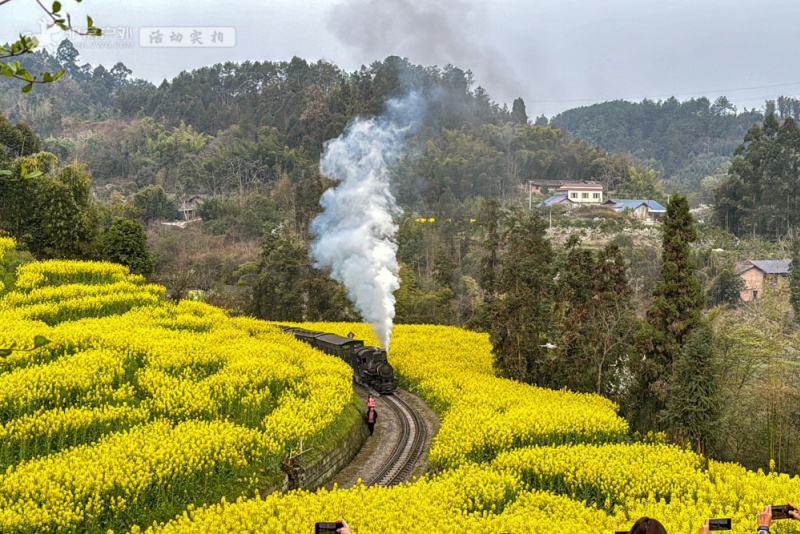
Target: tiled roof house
[(641, 209), (759, 273)]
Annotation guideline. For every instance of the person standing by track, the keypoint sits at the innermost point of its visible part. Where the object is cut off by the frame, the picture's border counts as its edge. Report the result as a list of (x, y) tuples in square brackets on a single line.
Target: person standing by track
[(371, 417)]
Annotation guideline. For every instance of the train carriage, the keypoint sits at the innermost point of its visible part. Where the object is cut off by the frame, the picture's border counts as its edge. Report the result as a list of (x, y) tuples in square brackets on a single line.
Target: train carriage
[(343, 347), (303, 335), (370, 366)]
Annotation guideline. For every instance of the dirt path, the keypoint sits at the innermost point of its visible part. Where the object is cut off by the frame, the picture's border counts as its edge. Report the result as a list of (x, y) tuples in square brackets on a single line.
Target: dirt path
[(379, 446)]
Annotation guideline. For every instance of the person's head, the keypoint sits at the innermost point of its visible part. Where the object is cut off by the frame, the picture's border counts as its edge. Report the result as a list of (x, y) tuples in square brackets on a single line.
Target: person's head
[(647, 525)]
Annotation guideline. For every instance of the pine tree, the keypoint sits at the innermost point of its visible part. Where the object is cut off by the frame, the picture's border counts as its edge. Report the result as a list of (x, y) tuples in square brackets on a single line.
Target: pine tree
[(573, 293), (490, 220), (693, 405), (521, 321), (518, 113), (594, 314), (675, 311), (613, 319)]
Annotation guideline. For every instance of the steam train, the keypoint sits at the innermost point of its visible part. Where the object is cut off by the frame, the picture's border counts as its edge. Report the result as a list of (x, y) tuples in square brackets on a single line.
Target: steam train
[(369, 364)]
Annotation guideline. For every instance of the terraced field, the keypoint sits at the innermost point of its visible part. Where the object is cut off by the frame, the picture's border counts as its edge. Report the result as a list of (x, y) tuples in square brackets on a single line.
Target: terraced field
[(141, 414)]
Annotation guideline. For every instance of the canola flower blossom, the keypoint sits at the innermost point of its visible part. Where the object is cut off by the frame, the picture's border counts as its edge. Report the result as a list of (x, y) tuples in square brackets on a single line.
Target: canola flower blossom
[(59, 272), (544, 458), (483, 415), (142, 415), (139, 406)]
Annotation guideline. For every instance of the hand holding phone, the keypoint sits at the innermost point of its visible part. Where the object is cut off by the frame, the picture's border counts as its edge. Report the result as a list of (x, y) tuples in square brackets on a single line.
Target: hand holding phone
[(719, 524), (327, 528), (782, 511)]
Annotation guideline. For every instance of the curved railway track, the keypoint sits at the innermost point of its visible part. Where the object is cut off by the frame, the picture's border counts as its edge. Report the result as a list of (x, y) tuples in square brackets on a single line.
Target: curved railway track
[(409, 448)]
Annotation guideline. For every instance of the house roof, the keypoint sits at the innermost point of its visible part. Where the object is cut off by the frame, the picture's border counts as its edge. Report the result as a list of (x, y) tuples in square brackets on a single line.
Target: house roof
[(581, 186), (766, 266), (555, 200), (742, 266), (624, 203), (546, 183)]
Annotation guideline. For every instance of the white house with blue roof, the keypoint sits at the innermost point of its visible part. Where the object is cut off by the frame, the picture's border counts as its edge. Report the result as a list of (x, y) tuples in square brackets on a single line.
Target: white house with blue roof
[(573, 194), (641, 209), (589, 193)]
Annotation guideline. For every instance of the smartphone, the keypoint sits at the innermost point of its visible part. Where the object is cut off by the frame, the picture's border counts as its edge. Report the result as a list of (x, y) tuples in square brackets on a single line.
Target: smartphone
[(322, 528), (782, 511), (719, 524)]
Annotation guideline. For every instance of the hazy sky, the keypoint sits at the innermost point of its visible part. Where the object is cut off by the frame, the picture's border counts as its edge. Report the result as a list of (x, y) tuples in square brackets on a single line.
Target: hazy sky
[(556, 54)]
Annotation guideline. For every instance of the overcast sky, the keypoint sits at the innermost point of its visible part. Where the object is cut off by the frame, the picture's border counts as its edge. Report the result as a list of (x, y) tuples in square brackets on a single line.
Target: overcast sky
[(556, 54)]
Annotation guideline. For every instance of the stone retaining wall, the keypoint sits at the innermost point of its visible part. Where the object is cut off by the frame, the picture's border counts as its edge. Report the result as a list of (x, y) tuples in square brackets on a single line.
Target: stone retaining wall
[(318, 470), (315, 468)]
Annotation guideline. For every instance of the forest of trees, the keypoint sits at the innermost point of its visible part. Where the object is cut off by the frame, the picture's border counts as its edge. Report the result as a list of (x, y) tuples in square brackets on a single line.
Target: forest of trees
[(685, 141), (248, 138), (760, 194), (93, 165)]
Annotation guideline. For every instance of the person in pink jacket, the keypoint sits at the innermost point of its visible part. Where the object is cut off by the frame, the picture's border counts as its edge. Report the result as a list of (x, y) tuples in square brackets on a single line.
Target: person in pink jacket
[(371, 417)]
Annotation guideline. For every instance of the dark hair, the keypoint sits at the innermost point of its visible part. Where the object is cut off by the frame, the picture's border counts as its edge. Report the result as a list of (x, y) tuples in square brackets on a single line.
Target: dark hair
[(647, 525)]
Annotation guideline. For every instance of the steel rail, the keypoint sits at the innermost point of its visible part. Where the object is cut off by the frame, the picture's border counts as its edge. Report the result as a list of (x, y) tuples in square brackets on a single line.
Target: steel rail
[(410, 447)]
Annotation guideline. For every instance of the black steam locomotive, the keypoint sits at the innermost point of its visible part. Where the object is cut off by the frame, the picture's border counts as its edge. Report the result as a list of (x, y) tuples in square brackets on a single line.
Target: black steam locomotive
[(369, 364)]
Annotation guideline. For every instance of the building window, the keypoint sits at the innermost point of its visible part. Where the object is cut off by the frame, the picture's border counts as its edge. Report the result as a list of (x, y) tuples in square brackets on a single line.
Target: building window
[(755, 293), (584, 195), (573, 195), (595, 195)]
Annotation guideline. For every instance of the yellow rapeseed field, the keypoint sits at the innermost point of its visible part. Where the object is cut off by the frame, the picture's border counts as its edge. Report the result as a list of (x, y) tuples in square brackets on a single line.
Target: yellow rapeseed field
[(138, 406), (146, 415), (511, 458)]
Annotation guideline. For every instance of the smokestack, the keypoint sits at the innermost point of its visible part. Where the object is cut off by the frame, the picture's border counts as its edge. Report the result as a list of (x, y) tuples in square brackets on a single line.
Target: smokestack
[(355, 233)]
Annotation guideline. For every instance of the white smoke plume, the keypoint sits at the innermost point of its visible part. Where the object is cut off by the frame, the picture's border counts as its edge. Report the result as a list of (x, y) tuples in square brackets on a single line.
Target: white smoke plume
[(354, 235)]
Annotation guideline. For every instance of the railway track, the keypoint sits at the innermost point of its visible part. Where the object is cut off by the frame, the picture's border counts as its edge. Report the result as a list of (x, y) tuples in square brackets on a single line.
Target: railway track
[(409, 448)]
